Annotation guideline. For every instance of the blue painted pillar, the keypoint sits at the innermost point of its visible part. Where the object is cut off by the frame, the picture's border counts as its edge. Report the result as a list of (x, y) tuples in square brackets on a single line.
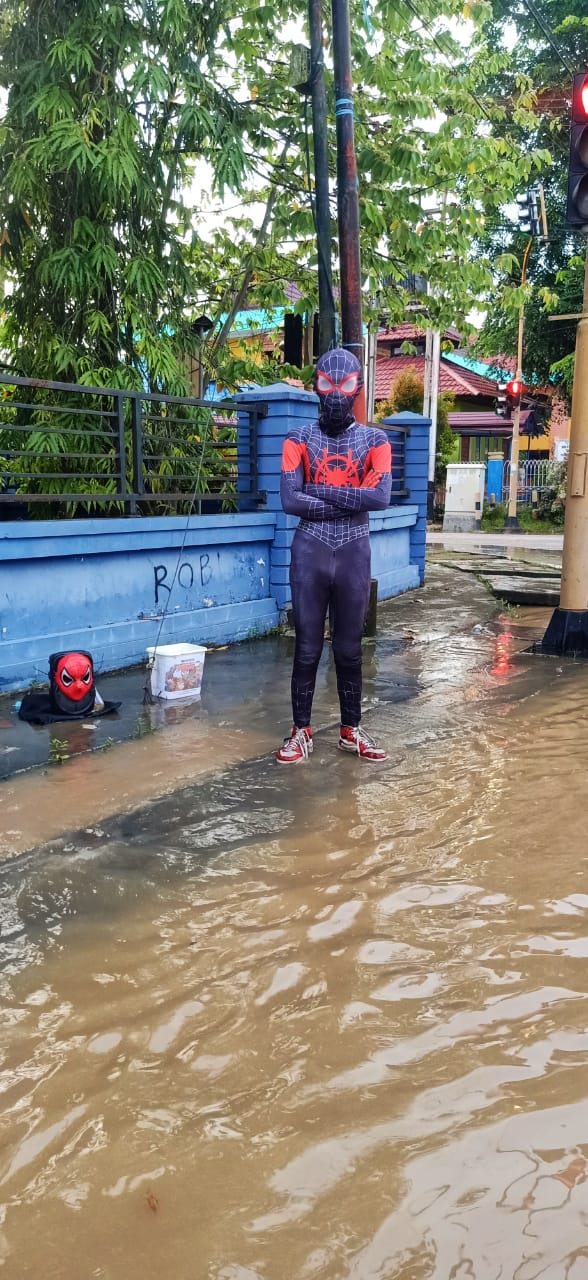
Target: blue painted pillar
[(494, 472), (287, 407), (414, 439)]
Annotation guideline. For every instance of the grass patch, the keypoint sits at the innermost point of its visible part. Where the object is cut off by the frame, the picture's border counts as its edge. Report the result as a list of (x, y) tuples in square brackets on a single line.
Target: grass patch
[(526, 521), (494, 519)]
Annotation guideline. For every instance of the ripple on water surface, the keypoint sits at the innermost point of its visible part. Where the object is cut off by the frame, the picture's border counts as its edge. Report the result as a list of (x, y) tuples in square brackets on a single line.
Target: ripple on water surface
[(326, 1026)]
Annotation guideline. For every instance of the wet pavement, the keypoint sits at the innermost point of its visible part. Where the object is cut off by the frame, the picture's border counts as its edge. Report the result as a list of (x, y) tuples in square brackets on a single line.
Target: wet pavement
[(328, 1021), (505, 543), (513, 581), (425, 639)]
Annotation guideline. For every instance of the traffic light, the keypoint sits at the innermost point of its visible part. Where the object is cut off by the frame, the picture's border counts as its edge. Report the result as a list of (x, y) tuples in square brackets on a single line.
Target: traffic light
[(508, 397), (514, 390), (500, 403), (530, 212), (577, 206), (293, 340)]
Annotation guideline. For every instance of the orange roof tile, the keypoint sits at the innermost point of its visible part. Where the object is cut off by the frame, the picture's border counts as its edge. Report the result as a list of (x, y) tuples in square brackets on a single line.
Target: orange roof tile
[(460, 382)]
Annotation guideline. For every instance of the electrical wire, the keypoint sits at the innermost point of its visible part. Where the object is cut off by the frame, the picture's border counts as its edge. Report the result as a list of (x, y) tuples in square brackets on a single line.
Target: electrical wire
[(427, 27), (547, 32)]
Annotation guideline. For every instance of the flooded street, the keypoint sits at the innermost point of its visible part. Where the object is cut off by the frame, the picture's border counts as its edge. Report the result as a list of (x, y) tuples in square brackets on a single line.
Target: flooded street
[(329, 1021)]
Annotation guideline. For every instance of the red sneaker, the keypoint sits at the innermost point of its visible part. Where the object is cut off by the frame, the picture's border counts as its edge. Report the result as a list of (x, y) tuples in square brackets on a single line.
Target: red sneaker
[(360, 743), (297, 747)]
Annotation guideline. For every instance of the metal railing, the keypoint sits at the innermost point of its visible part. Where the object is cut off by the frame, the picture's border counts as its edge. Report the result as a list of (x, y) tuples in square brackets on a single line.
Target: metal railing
[(535, 476), (71, 450), (68, 450), (397, 437)]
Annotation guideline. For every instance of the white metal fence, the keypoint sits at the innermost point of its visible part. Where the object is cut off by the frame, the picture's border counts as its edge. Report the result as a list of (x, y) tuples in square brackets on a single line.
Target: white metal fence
[(534, 477)]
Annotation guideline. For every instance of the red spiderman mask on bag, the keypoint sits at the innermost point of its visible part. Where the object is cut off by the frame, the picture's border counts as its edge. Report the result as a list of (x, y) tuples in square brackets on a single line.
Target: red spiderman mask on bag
[(71, 683), (338, 379)]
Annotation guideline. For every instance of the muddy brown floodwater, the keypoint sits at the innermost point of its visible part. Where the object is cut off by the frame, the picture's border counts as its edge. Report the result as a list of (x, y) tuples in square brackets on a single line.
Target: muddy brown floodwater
[(330, 1025)]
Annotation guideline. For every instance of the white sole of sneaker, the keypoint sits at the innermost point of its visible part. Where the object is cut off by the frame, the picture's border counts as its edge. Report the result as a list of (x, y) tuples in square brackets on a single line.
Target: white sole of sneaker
[(349, 749), (298, 760)]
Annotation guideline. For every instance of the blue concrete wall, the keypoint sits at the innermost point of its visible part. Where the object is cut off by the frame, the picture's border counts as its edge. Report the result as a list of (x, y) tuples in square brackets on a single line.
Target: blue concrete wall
[(103, 585), (416, 476), (288, 407), (390, 541)]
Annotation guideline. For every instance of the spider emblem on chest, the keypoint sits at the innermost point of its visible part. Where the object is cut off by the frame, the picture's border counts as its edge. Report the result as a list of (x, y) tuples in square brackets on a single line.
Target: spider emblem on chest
[(337, 469)]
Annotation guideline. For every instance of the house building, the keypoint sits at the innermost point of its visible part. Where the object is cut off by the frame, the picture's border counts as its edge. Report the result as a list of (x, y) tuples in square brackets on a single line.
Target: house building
[(473, 383)]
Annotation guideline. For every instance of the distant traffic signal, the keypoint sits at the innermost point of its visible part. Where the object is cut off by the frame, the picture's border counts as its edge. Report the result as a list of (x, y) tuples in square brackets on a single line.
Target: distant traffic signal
[(577, 206), (530, 212), (500, 403), (508, 397)]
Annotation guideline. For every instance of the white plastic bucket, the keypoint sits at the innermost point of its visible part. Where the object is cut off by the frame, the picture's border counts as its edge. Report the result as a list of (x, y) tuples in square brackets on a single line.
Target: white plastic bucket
[(176, 670)]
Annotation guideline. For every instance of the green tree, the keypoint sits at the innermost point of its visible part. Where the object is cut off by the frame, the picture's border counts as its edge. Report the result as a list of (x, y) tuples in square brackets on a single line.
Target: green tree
[(429, 165), (555, 272), (103, 104), (107, 109), (408, 395)]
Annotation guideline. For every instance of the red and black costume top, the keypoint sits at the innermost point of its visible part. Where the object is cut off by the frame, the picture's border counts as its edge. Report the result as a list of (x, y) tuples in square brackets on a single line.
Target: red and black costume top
[(333, 482)]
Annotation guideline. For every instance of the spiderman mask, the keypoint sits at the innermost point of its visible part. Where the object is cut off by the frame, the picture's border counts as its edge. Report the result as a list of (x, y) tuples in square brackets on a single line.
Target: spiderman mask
[(71, 683), (338, 381)]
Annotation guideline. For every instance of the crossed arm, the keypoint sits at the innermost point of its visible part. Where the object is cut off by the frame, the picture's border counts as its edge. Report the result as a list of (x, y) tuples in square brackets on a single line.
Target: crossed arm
[(373, 494), (329, 502), (298, 501)]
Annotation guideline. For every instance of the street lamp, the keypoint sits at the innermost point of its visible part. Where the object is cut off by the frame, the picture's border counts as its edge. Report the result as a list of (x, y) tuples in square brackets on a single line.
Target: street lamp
[(200, 327)]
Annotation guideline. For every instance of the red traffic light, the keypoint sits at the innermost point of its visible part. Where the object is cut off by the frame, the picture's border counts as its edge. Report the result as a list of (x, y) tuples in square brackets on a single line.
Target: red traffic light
[(514, 387), (580, 99)]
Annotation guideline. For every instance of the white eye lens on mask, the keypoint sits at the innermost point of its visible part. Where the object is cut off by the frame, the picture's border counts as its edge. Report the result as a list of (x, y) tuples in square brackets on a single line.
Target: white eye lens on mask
[(349, 385)]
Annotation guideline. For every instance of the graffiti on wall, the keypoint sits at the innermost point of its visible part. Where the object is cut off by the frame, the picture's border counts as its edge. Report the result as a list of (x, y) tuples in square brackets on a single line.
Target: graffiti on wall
[(189, 574)]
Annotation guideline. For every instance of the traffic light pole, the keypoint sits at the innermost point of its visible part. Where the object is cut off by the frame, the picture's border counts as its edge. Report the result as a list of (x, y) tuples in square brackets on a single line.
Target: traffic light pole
[(347, 194), (327, 315), (511, 520), (567, 632)]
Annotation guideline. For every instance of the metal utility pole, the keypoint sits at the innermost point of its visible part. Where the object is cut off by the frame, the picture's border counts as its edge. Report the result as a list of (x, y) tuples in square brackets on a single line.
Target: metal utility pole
[(511, 519), (432, 358), (327, 314), (568, 630), (347, 196), (370, 374)]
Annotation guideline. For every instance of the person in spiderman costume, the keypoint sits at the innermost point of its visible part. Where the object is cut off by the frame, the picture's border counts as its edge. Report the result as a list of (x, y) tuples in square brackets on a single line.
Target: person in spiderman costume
[(334, 472)]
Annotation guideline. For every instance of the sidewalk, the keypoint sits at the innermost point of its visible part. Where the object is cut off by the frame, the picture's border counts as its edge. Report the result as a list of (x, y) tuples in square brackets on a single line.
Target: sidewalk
[(489, 542)]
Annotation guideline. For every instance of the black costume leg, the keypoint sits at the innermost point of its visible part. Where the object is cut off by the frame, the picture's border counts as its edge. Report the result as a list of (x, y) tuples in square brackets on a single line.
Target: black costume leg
[(311, 568), (350, 599)]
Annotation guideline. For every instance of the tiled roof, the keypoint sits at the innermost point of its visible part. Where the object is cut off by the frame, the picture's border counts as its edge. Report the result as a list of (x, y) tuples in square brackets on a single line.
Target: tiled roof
[(460, 382), (293, 293), (407, 332), (479, 420)]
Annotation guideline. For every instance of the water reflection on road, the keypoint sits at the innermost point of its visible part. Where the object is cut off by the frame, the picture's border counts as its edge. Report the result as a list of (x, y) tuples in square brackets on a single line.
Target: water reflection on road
[(333, 1024)]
